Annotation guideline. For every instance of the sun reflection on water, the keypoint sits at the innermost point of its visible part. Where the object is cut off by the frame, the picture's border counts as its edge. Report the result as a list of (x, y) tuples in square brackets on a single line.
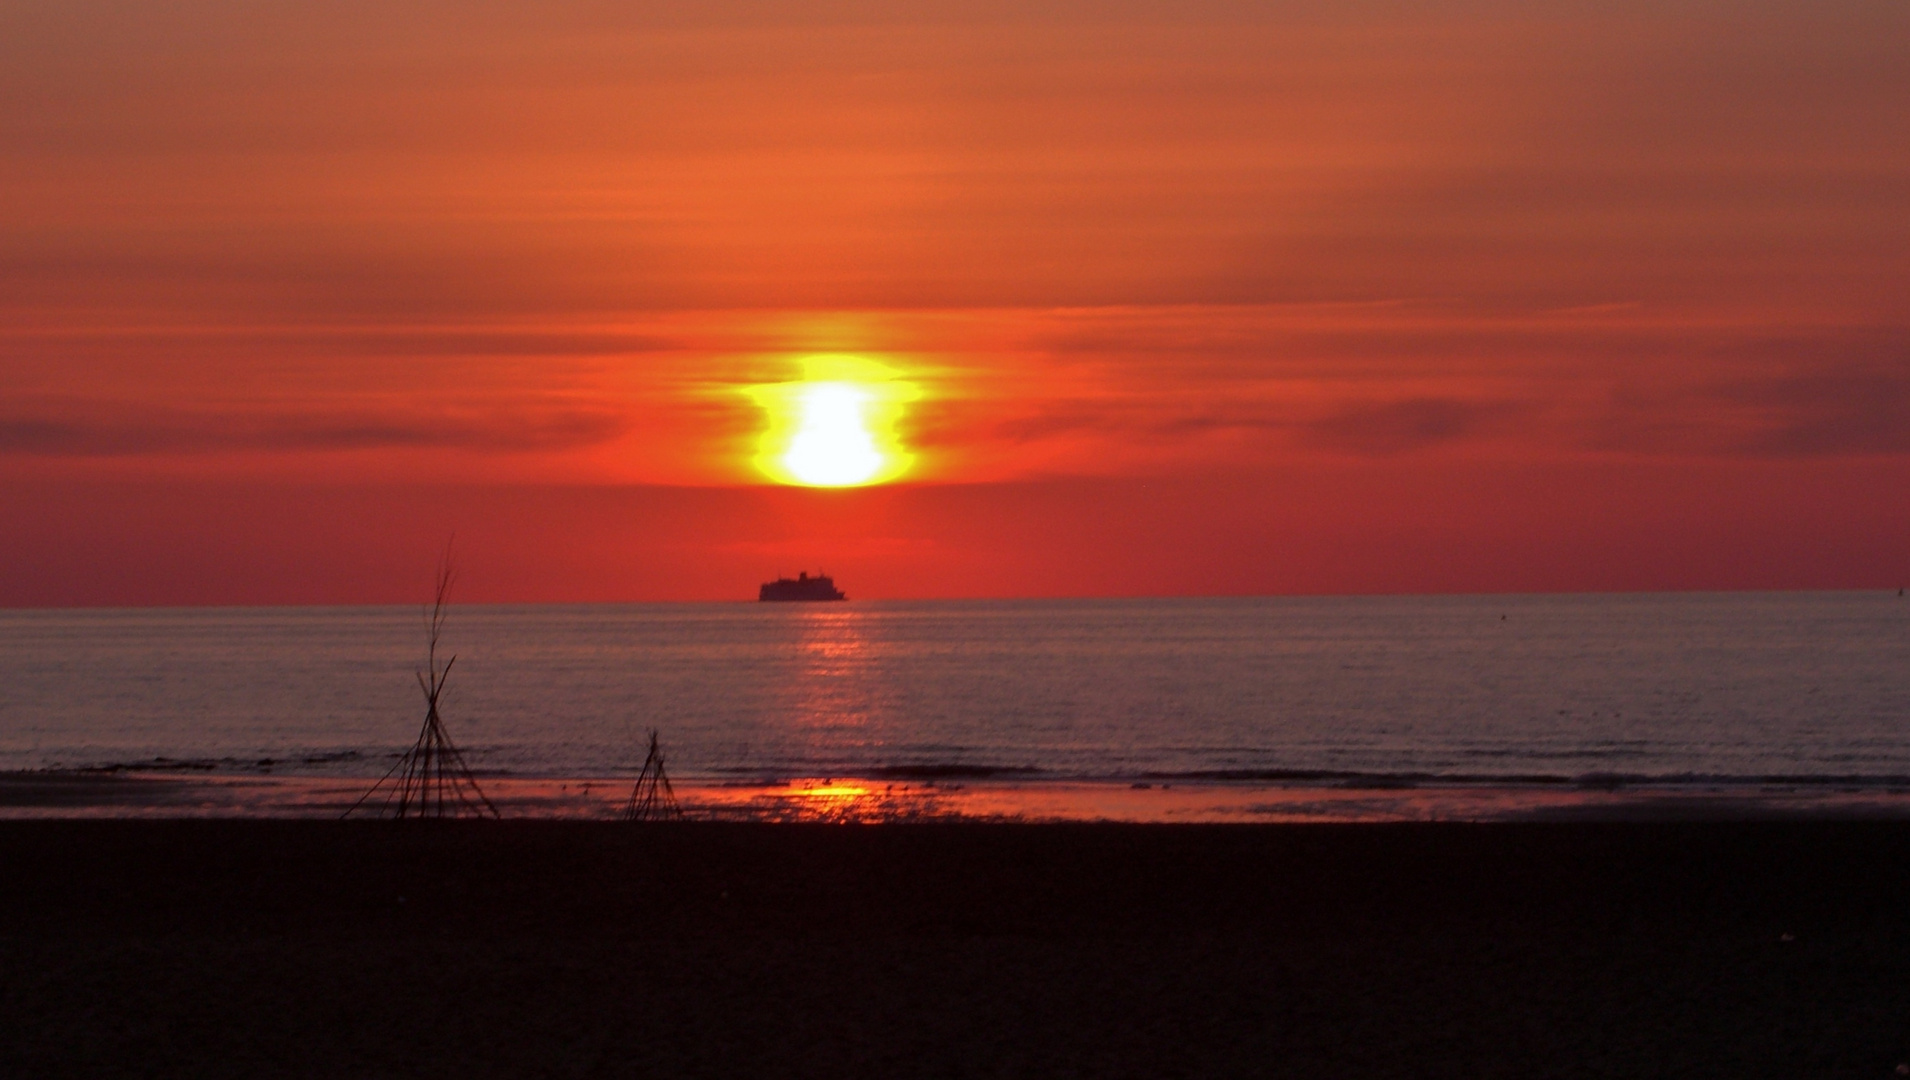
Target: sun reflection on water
[(831, 643), (834, 695)]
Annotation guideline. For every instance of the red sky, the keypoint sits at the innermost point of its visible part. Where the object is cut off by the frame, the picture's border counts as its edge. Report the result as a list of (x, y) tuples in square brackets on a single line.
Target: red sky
[(1199, 298)]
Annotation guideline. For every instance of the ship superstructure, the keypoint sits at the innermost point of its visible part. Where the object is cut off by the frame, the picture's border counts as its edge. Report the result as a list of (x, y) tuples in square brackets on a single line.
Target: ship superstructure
[(801, 587)]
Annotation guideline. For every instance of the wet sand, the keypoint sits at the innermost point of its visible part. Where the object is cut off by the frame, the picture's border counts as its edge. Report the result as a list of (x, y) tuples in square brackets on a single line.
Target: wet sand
[(159, 793), (524, 949)]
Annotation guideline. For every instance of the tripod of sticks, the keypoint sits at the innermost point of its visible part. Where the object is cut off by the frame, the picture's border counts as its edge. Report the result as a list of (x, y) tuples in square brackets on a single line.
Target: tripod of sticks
[(652, 798), (431, 780)]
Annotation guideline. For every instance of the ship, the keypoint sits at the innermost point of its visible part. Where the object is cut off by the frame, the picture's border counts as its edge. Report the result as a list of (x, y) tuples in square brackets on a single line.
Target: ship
[(801, 587)]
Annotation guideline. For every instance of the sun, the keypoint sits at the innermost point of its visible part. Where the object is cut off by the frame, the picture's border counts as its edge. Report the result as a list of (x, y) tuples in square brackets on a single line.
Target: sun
[(833, 446), (835, 427)]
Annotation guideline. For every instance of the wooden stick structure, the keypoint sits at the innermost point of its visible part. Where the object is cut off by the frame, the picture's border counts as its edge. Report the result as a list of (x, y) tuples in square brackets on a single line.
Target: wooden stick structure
[(431, 780), (652, 798)]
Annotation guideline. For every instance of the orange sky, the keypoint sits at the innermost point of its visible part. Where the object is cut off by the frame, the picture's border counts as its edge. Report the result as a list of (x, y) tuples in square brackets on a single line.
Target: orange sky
[(1213, 298)]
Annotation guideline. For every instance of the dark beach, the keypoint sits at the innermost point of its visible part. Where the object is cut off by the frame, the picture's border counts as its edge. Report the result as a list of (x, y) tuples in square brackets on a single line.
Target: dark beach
[(261, 948)]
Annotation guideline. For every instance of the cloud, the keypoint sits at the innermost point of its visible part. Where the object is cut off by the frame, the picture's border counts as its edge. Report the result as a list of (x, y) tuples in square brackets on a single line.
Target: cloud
[(1396, 427), (1365, 428), (80, 430), (1845, 410)]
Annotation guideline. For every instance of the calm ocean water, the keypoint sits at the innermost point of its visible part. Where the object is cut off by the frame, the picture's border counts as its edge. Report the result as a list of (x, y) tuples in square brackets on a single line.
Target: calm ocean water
[(1711, 689)]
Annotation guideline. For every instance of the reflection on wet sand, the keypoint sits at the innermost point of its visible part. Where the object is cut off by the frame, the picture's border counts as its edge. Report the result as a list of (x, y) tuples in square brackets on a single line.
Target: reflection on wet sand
[(857, 800)]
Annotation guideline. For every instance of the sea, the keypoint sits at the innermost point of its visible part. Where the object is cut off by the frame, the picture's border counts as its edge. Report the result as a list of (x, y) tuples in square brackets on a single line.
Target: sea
[(1208, 709)]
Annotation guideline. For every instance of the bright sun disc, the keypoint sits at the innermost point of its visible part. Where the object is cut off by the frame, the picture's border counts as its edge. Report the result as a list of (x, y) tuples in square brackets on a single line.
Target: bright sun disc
[(833, 446), (835, 428)]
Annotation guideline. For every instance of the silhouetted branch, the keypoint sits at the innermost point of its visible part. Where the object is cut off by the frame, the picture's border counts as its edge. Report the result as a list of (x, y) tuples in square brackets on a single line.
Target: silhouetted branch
[(432, 776), (652, 798)]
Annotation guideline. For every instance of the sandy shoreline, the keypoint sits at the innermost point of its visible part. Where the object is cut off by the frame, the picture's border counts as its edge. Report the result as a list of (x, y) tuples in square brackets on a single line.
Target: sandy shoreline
[(214, 948), (156, 794)]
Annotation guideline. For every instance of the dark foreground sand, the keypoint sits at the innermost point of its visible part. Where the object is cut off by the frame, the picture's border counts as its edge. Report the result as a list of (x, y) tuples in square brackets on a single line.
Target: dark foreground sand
[(527, 949)]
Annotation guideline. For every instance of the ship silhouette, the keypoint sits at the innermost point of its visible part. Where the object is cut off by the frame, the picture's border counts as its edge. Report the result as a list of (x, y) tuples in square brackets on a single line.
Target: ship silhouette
[(801, 587)]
